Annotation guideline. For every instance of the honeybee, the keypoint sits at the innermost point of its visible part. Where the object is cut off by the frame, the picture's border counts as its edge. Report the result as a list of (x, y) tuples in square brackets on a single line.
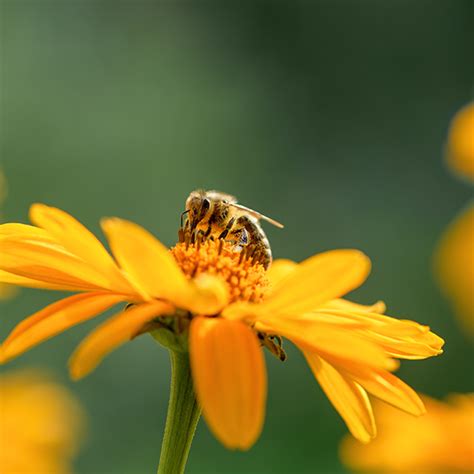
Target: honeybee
[(216, 215)]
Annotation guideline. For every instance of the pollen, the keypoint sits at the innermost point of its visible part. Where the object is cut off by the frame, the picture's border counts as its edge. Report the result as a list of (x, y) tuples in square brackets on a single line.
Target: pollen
[(245, 276)]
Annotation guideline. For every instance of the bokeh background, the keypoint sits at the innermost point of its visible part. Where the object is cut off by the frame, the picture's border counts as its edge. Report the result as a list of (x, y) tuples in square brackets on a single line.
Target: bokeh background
[(328, 116)]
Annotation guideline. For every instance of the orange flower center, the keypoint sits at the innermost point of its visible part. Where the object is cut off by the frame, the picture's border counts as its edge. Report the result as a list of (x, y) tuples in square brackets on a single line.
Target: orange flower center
[(245, 277)]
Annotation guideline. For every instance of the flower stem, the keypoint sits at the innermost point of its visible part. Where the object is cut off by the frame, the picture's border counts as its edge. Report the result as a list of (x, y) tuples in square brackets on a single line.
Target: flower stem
[(182, 418)]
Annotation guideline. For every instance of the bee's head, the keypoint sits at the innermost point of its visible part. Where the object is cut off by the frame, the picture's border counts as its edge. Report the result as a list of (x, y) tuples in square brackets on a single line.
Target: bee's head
[(198, 206)]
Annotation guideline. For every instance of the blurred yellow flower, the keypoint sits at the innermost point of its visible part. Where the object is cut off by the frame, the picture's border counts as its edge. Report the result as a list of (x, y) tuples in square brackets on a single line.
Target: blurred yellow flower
[(460, 146), (231, 307), (41, 424), (442, 441), (454, 256), (454, 266)]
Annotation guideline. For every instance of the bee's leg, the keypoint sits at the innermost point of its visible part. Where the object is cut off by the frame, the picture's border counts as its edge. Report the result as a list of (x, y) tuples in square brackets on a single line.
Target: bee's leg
[(182, 217), (208, 232), (276, 349), (229, 225)]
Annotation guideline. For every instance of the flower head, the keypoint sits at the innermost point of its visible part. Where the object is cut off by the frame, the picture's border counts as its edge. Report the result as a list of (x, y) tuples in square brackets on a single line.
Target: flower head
[(440, 441), (454, 266), (226, 305), (460, 146), (41, 424)]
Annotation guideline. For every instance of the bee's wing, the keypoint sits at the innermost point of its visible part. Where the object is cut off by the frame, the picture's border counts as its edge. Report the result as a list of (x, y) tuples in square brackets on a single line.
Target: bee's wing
[(257, 215), (218, 195)]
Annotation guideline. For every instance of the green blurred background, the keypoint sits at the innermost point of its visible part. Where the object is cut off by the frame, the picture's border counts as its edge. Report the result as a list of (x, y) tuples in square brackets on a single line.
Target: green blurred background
[(328, 116)]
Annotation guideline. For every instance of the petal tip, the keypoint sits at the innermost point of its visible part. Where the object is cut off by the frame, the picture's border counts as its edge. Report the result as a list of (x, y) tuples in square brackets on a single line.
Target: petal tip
[(76, 373)]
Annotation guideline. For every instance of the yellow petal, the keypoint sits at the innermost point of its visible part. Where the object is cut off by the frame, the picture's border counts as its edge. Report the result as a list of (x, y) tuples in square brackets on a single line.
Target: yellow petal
[(55, 319), (11, 279), (230, 380), (206, 294), (12, 228), (153, 268), (414, 347), (280, 269), (381, 323), (329, 339), (347, 396), (111, 334), (390, 389), (47, 262), (317, 280), (329, 319), (342, 304), (78, 240)]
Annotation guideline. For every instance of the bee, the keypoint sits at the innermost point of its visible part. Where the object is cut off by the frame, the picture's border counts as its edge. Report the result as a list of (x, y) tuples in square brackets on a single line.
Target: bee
[(216, 215)]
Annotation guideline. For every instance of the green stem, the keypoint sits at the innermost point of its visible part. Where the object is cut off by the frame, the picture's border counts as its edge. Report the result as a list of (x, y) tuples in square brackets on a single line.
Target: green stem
[(182, 418)]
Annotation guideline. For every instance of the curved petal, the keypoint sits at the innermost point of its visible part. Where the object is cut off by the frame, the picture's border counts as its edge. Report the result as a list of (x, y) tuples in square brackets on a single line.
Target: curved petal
[(153, 268), (206, 294), (330, 339), (314, 282), (47, 262), (414, 347), (347, 397), (280, 269), (111, 334), (55, 319), (318, 279), (380, 323), (79, 241), (390, 389), (230, 380), (13, 228), (342, 304), (12, 279)]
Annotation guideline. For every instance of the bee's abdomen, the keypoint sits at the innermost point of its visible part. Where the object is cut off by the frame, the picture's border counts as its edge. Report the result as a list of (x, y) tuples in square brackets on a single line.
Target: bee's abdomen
[(258, 243)]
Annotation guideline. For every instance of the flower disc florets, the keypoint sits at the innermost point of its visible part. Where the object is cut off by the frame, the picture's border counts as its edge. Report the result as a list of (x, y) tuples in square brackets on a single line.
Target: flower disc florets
[(239, 268)]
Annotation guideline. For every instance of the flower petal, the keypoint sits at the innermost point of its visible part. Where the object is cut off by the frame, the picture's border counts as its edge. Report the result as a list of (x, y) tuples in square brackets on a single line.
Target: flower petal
[(342, 304), (380, 323), (111, 334), (314, 282), (47, 262), (206, 294), (153, 268), (317, 280), (78, 240), (12, 279), (390, 389), (55, 319), (329, 339), (347, 396), (414, 347), (12, 228), (280, 269), (230, 380)]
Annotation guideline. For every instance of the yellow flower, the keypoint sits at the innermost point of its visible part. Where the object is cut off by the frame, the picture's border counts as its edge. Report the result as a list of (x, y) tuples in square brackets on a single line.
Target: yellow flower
[(41, 424), (440, 441), (454, 266), (231, 307), (460, 146), (454, 256)]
